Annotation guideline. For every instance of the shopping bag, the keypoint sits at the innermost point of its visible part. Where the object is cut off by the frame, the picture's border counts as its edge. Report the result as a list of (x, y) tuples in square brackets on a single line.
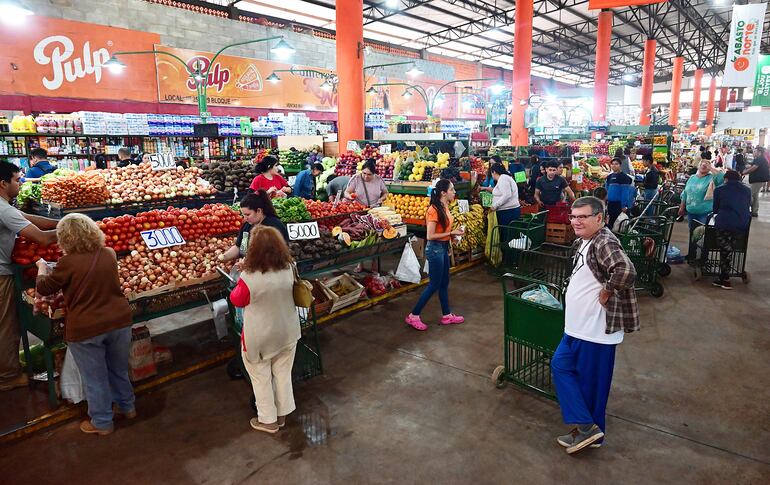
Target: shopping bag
[(542, 296), (521, 243), (71, 382), (619, 222), (408, 267), (141, 359), (426, 268), (492, 249), (710, 191)]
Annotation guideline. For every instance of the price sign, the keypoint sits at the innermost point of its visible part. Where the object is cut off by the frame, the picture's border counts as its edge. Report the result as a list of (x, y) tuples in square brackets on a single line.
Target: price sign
[(303, 230), (162, 238), (410, 144), (291, 180), (463, 206), (353, 146), (384, 149), (162, 161)]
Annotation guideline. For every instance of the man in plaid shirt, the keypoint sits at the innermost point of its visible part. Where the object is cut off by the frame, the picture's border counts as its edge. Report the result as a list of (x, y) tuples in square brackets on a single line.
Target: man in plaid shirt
[(600, 307)]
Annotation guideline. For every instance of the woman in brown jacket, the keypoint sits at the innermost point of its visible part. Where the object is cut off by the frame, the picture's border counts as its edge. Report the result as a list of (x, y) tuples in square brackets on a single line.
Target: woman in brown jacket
[(98, 322)]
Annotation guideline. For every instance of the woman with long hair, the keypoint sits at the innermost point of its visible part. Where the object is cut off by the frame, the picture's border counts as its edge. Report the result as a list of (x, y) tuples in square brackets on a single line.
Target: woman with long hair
[(270, 326), (98, 321), (269, 179), (439, 224), (257, 209)]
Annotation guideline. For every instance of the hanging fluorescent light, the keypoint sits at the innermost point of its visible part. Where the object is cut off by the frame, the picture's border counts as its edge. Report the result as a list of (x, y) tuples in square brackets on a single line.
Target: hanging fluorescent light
[(282, 49), (114, 65), (273, 78), (407, 94), (326, 85), (414, 71), (628, 77), (392, 4), (371, 90), (13, 12), (497, 88)]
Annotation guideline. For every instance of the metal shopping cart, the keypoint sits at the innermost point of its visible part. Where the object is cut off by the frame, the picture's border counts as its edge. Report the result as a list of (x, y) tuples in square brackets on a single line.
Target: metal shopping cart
[(644, 241), (532, 331), (709, 254), (508, 242)]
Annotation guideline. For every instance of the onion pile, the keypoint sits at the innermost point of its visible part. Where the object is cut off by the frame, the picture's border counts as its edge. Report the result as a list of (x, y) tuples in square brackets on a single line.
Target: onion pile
[(140, 183), (82, 189), (144, 270)]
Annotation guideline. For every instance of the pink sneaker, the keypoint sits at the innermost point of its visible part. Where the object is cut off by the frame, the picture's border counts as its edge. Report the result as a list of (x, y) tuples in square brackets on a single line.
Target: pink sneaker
[(451, 319), (415, 322)]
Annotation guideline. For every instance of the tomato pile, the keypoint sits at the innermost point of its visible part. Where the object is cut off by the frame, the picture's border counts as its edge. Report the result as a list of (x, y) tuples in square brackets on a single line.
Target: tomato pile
[(319, 209), (123, 233), (26, 252)]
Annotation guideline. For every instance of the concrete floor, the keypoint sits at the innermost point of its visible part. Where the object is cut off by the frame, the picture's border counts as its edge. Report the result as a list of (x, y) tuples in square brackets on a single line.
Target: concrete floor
[(689, 404)]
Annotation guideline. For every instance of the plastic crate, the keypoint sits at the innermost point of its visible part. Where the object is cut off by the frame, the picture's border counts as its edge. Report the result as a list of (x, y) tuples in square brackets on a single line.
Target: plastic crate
[(558, 213)]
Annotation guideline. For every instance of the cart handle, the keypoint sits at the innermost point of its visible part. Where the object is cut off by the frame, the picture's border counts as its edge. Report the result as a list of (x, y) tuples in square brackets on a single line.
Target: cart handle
[(509, 278)]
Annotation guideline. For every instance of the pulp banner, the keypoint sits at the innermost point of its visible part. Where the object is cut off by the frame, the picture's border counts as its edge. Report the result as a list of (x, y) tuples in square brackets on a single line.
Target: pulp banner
[(597, 4), (64, 59), (239, 82), (762, 82), (743, 45)]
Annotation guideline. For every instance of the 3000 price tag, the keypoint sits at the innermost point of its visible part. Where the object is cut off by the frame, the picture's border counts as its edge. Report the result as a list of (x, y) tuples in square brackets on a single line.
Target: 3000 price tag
[(162, 238), (162, 161), (303, 230)]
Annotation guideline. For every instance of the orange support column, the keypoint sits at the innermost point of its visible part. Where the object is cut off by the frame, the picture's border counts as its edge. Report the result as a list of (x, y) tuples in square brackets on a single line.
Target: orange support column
[(522, 64), (350, 70), (648, 80), (676, 89), (696, 100), (602, 72), (710, 107), (723, 100)]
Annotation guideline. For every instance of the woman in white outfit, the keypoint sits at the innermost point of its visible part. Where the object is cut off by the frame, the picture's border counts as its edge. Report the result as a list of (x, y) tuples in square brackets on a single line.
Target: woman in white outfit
[(271, 326)]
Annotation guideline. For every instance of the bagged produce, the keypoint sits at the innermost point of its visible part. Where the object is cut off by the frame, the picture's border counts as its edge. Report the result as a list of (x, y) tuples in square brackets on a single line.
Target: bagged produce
[(408, 267), (542, 296), (141, 359)]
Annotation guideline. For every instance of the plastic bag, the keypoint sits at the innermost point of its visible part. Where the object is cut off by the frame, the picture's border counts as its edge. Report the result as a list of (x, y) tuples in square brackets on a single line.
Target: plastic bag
[(409, 267), (521, 243), (674, 255), (71, 381), (619, 221), (542, 296)]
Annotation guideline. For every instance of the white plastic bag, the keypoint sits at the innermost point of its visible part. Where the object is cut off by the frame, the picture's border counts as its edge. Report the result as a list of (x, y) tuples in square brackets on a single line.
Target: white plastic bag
[(409, 267), (619, 221), (71, 382), (521, 243), (426, 267)]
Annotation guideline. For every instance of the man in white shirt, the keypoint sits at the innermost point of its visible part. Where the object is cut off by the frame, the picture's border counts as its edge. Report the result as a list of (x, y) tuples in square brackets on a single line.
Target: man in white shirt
[(600, 306)]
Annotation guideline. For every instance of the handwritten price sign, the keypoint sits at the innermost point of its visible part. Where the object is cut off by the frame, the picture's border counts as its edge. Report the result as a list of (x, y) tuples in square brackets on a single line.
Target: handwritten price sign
[(162, 161), (303, 230), (163, 238)]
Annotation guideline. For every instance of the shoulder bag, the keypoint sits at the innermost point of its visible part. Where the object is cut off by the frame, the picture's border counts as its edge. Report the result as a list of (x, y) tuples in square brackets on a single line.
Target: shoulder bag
[(302, 290)]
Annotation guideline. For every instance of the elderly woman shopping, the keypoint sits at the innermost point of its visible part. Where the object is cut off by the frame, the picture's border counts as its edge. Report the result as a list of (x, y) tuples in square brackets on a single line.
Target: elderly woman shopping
[(98, 322), (698, 198)]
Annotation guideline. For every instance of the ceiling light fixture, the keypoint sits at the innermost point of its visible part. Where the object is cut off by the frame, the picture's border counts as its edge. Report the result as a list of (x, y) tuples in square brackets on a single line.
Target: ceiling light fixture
[(114, 65), (327, 86), (407, 94), (392, 4), (273, 78), (497, 88), (13, 12), (282, 49), (372, 90), (414, 71)]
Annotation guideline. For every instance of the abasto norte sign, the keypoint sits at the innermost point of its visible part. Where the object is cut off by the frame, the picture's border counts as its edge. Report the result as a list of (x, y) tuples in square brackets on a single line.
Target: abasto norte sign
[(744, 43)]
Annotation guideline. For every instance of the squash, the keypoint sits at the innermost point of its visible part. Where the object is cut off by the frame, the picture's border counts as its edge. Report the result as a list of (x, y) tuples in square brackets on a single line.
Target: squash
[(345, 237), (336, 231), (389, 233)]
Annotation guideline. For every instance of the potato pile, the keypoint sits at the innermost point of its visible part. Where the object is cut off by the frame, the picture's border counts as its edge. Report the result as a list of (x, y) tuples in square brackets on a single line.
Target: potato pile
[(228, 175)]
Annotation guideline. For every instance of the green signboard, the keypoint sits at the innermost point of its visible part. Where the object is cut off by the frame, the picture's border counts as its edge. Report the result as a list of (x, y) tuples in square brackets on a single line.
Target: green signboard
[(762, 82)]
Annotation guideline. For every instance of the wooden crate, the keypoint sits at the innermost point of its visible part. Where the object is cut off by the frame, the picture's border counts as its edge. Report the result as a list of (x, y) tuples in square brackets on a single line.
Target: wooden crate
[(559, 233)]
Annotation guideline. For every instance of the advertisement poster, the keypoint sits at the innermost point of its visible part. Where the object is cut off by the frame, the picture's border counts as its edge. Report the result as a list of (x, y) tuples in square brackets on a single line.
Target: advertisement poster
[(450, 103), (240, 82), (762, 82), (743, 45), (63, 59)]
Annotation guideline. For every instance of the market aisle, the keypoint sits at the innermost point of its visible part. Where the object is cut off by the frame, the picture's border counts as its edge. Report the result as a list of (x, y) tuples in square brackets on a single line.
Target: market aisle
[(689, 401)]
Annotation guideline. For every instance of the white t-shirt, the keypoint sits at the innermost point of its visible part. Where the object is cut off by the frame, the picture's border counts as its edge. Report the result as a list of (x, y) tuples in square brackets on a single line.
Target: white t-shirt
[(584, 317)]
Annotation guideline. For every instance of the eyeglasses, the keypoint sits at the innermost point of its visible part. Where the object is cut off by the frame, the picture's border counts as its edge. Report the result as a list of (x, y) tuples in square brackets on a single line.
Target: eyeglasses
[(581, 217)]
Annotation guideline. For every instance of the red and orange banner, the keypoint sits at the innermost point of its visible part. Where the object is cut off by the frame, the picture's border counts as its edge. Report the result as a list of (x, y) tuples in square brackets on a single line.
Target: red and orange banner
[(239, 81), (62, 58), (597, 4)]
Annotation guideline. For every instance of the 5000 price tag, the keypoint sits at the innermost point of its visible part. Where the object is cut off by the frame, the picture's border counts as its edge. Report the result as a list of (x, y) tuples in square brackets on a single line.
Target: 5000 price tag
[(162, 238), (303, 230), (162, 161)]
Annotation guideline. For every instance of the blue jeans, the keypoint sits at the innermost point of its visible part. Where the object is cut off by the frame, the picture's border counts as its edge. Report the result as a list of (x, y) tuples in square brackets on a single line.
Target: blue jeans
[(507, 216), (691, 218), (649, 194), (103, 364), (437, 254), (582, 373)]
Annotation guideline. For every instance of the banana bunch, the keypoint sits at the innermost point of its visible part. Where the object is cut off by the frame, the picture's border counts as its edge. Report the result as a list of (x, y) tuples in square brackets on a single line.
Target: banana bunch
[(473, 220)]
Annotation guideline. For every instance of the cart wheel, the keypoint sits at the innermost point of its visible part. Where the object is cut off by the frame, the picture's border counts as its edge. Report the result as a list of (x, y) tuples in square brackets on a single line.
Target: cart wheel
[(656, 290), (498, 376), (234, 370), (745, 277), (665, 269), (698, 272)]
